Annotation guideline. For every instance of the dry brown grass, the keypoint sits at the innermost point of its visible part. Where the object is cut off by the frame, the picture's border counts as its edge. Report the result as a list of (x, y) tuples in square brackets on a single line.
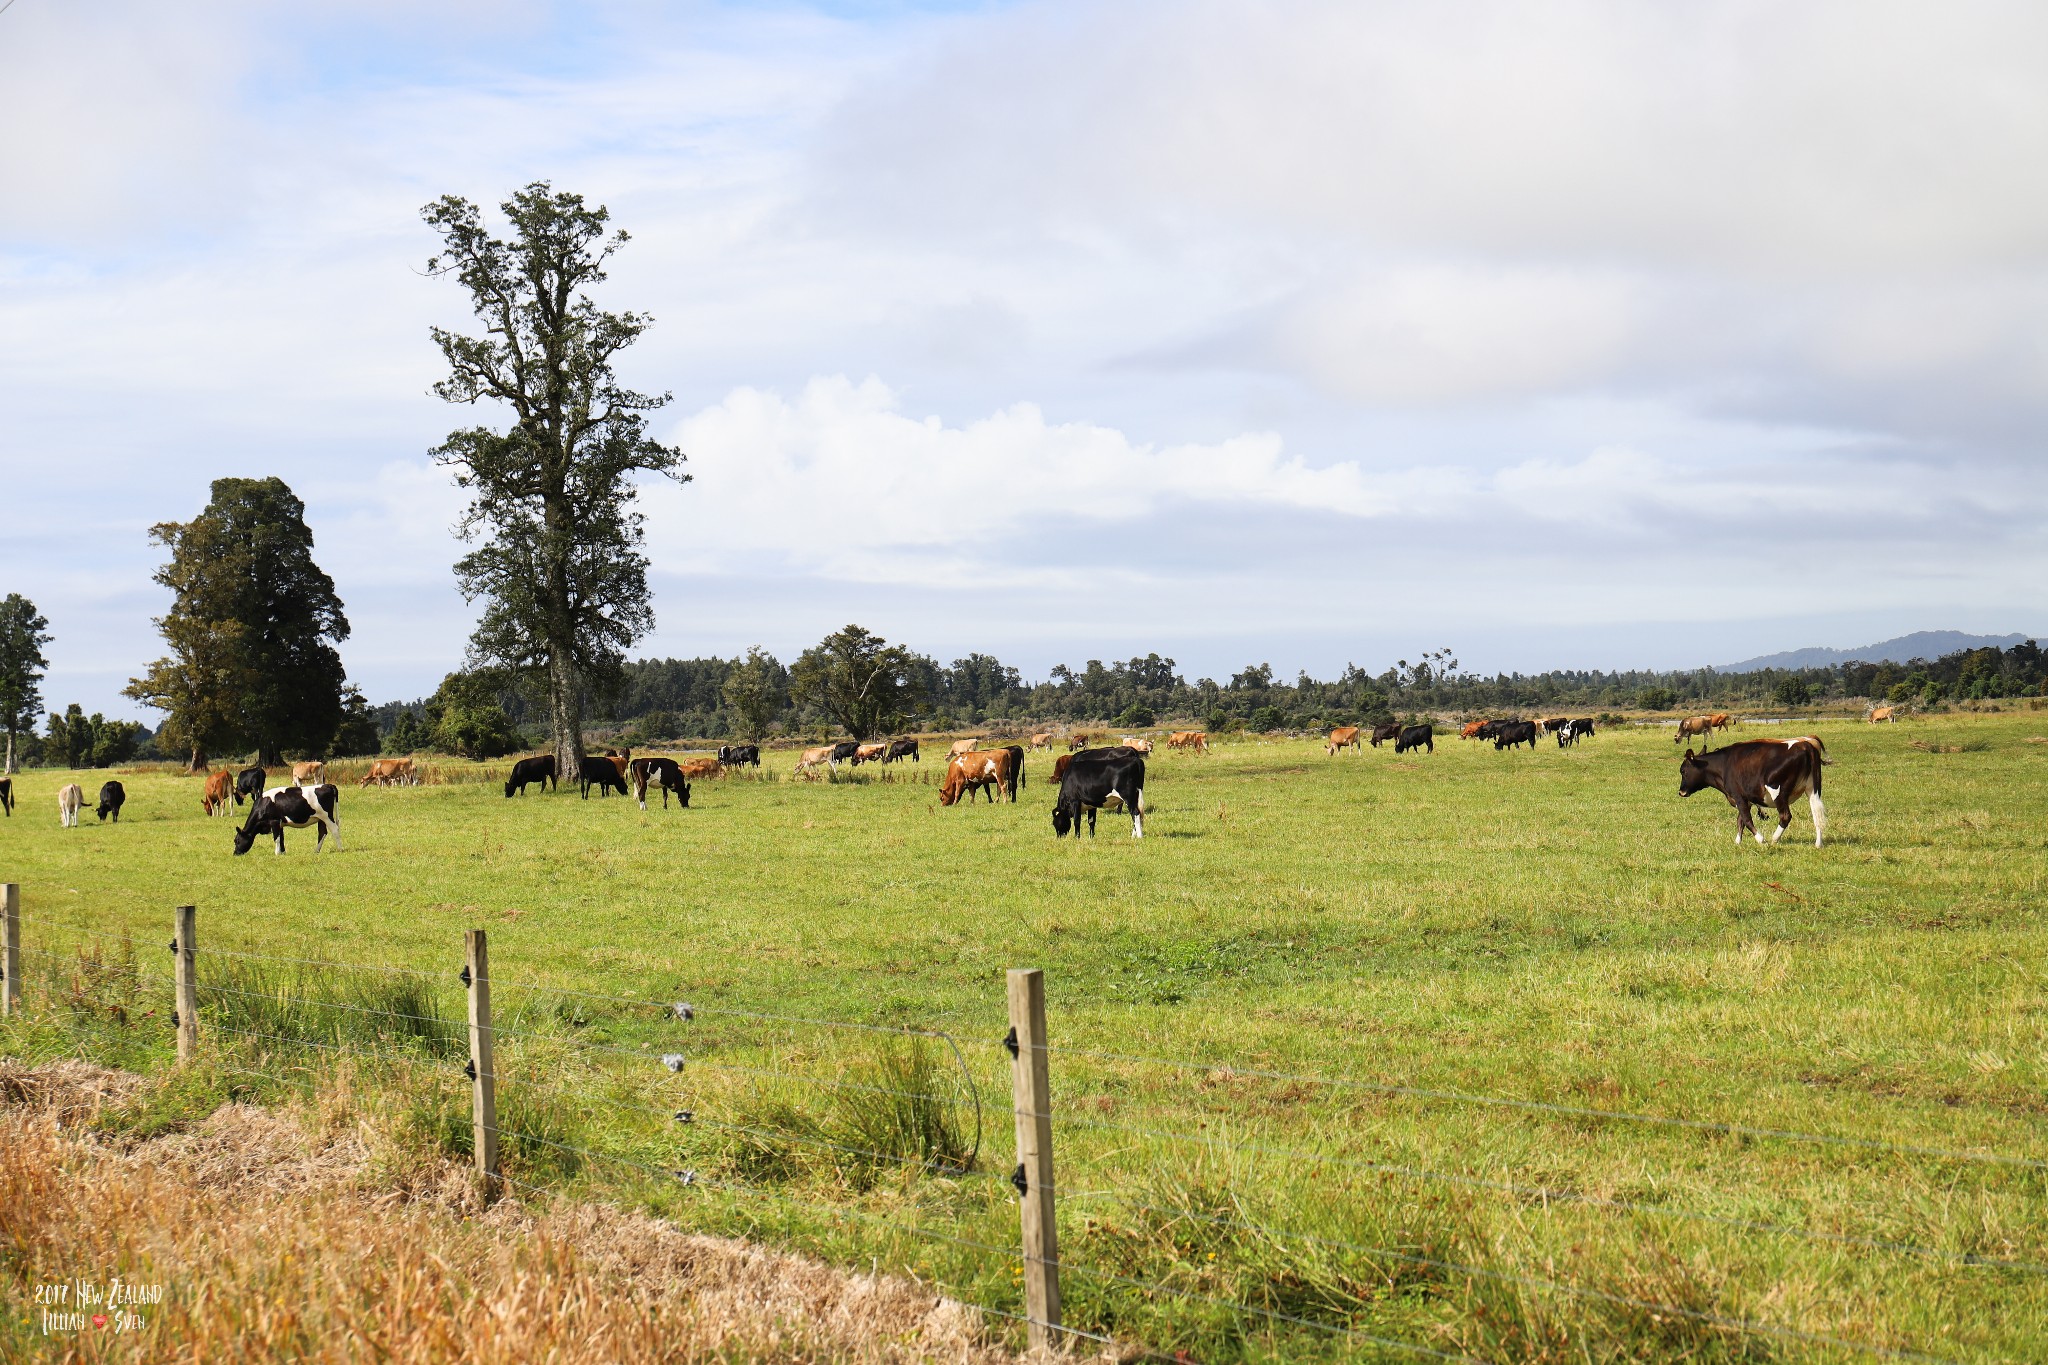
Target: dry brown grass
[(282, 1237)]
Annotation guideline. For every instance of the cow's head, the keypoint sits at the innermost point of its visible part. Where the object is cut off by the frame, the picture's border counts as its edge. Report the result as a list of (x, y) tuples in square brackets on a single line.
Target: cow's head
[(950, 789), (1062, 820), (1692, 773), (245, 837)]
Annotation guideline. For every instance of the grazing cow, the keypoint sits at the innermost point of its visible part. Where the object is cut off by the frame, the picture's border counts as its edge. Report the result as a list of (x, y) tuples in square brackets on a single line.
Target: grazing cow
[(1382, 733), (1194, 741), (1471, 730), (283, 808), (249, 784), (309, 774), (1762, 773), (602, 773), (385, 771), (1077, 741), (540, 769), (7, 796), (979, 771), (902, 748), (1878, 713), (1720, 720), (1508, 733), (1042, 740), (112, 797), (666, 773), (1571, 732), (961, 746), (69, 799), (1099, 778), (1137, 744), (845, 750), (1415, 737), (870, 753), (1694, 725), (219, 796), (1343, 737), (695, 768), (1064, 761), (740, 755)]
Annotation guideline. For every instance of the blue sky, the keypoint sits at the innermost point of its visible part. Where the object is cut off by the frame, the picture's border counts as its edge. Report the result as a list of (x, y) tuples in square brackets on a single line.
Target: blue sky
[(1570, 336)]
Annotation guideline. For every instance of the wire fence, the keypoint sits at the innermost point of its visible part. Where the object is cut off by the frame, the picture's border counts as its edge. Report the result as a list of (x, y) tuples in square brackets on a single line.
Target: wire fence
[(901, 1120)]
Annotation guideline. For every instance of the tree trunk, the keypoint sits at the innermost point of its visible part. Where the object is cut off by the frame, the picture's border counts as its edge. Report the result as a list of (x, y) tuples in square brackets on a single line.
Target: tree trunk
[(565, 716), (9, 770), (199, 763)]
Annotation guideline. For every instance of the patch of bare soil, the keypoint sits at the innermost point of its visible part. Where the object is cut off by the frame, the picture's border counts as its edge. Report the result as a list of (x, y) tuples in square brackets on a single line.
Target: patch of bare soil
[(273, 1242)]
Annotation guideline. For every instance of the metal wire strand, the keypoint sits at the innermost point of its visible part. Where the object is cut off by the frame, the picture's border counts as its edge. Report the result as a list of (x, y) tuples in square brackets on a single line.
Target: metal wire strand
[(205, 952), (1567, 1110), (1550, 1196), (666, 1006)]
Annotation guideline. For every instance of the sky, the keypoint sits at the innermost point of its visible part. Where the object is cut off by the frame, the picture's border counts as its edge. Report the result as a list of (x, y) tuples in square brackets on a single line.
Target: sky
[(1582, 335)]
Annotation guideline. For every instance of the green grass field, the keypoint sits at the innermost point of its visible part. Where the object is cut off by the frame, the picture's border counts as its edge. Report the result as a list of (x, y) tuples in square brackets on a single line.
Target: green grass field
[(1556, 927)]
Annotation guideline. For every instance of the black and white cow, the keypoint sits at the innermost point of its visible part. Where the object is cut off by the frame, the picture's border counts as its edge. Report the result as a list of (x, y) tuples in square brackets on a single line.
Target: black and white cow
[(112, 797), (900, 749), (282, 808), (249, 784), (739, 755), (1116, 778), (1764, 773), (1415, 737), (526, 770), (1508, 733), (1572, 731), (665, 773)]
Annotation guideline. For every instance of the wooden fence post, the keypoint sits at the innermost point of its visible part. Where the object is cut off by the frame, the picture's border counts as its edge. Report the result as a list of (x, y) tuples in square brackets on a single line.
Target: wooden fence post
[(476, 975), (10, 949), (1031, 1091), (186, 1013)]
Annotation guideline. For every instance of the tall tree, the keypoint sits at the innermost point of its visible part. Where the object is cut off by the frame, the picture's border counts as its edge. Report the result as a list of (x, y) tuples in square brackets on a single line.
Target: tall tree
[(252, 628), (23, 633), (859, 679), (756, 691), (560, 569)]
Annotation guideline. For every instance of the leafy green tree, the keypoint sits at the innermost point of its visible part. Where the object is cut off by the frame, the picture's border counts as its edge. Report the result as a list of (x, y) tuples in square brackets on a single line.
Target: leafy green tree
[(467, 718), (858, 679), (1136, 716), (252, 628), (560, 568), (1791, 691), (80, 741), (408, 735), (356, 736), (23, 633), (756, 692), (1656, 699)]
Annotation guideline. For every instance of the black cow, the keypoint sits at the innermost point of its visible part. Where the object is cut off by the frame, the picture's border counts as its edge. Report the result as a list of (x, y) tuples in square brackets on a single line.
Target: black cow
[(902, 748), (7, 795), (1391, 730), (739, 755), (1572, 731), (842, 752), (249, 784), (604, 774), (666, 774), (1016, 752), (282, 808), (1765, 773), (541, 770), (1115, 778), (1415, 737), (112, 797), (1508, 733)]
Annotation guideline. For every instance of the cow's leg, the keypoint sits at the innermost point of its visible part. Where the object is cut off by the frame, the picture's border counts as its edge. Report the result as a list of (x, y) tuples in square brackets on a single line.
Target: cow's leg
[(1784, 818), (1820, 816), (1138, 813)]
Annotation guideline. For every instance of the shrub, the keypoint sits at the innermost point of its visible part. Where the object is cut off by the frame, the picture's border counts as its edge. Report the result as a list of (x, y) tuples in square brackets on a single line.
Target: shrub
[(1136, 716), (1268, 718), (1656, 699), (1791, 692)]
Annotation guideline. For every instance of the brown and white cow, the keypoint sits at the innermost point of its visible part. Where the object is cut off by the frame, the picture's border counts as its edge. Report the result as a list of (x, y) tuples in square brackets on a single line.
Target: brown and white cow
[(986, 770), (1761, 773), (219, 798), (870, 753), (1343, 737)]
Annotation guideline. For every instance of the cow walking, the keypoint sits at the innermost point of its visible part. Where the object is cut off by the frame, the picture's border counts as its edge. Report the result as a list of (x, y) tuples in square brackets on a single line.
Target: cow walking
[(69, 798), (1415, 737), (1761, 773), (740, 755), (1508, 733)]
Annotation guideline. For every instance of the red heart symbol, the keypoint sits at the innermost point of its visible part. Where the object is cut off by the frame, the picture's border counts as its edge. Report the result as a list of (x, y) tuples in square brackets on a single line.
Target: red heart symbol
[(99, 1319)]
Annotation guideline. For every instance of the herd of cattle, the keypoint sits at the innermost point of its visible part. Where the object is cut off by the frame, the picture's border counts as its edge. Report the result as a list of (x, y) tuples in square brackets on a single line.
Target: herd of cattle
[(1755, 775)]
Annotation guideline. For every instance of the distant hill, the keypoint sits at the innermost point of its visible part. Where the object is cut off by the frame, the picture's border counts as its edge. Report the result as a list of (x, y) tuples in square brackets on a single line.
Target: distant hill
[(1921, 644)]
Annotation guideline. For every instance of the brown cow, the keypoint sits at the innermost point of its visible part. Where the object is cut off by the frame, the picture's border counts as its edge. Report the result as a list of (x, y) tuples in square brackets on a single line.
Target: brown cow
[(870, 753), (1080, 740), (988, 770), (1343, 737), (1693, 725), (1764, 773), (1137, 745), (702, 767), (1720, 720), (813, 757), (1878, 713), (1382, 733), (309, 774), (385, 771), (961, 746), (1042, 741), (220, 793), (1195, 741), (1472, 729)]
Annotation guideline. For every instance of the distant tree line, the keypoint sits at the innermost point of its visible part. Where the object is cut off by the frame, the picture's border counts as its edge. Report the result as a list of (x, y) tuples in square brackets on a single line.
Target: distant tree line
[(854, 682)]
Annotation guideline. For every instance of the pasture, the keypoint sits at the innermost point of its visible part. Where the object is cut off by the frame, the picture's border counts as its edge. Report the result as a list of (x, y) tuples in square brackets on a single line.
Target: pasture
[(1553, 926)]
